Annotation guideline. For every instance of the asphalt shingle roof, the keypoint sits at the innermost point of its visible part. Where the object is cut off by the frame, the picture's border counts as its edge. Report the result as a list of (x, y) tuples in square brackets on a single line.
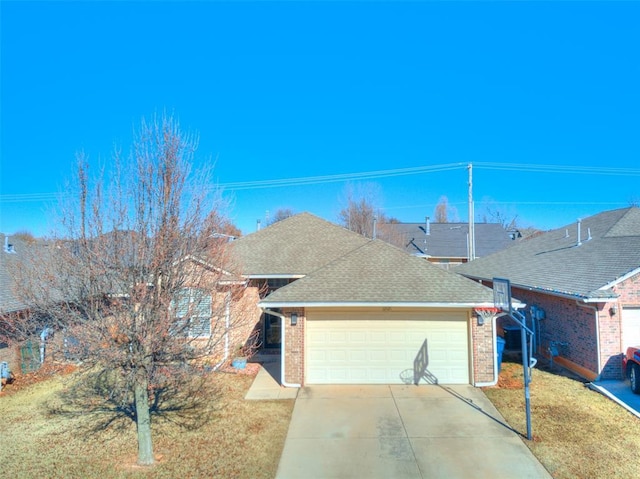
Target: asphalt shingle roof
[(377, 272), (554, 262), (294, 246), (9, 300), (446, 240)]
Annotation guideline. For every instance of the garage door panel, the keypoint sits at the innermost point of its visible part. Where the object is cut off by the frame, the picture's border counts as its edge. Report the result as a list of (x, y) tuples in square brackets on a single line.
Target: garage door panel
[(630, 327), (381, 351)]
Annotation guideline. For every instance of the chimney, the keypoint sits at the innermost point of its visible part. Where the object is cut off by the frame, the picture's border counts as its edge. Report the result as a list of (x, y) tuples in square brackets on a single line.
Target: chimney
[(258, 225), (375, 222)]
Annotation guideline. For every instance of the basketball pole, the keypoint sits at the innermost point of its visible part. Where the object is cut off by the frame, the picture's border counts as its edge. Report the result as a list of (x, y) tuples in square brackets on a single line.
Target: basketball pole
[(502, 301)]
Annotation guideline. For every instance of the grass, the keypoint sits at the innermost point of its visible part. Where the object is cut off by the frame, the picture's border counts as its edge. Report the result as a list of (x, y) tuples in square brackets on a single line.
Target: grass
[(577, 432), (244, 439)]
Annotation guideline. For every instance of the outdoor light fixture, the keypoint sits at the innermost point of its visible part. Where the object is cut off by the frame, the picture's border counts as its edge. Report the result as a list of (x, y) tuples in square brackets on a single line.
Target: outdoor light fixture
[(480, 320), (294, 319), (613, 309)]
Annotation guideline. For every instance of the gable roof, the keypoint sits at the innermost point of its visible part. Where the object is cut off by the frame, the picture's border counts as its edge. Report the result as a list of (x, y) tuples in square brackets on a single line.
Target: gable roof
[(293, 247), (22, 253), (377, 273), (553, 262), (446, 240)]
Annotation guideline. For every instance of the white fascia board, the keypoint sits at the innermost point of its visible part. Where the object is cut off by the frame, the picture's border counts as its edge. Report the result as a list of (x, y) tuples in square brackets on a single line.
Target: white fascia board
[(231, 282), (620, 279), (311, 304), (560, 294), (274, 276)]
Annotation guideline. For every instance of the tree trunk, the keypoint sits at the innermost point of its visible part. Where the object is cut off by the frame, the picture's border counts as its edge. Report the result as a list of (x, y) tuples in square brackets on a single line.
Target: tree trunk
[(143, 422)]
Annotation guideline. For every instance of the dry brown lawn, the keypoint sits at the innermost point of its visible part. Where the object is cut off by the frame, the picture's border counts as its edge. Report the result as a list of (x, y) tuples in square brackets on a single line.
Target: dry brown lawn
[(244, 439), (577, 432)]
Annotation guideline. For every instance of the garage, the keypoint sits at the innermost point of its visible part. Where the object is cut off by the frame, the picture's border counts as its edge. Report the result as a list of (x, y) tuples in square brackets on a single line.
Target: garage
[(630, 327), (379, 347)]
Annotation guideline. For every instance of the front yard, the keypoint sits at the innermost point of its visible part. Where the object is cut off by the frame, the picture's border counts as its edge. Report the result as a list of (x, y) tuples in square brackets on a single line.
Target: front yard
[(577, 432), (244, 439)]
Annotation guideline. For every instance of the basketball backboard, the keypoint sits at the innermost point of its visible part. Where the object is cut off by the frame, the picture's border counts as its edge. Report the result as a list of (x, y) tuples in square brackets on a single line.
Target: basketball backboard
[(502, 294)]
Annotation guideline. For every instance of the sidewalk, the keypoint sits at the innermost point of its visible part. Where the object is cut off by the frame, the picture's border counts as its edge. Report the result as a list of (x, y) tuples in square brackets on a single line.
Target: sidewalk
[(266, 385)]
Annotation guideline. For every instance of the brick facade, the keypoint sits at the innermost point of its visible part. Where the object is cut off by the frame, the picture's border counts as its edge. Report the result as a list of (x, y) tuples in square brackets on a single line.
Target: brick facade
[(582, 326), (482, 350), (629, 291), (294, 346)]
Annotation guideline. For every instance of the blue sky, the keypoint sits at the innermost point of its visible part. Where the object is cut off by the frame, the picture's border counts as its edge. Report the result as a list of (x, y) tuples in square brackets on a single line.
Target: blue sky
[(306, 89)]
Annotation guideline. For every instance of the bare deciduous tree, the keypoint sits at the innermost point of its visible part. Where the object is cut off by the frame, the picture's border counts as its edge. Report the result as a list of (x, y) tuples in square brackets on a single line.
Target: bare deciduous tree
[(496, 214), (444, 212), (140, 282), (279, 215), (361, 210)]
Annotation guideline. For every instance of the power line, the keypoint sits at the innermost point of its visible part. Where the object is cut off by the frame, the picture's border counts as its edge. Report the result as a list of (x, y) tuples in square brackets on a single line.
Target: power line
[(312, 180)]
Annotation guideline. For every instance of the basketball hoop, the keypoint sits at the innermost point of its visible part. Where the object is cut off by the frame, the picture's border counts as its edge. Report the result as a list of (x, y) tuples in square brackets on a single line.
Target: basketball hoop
[(485, 314)]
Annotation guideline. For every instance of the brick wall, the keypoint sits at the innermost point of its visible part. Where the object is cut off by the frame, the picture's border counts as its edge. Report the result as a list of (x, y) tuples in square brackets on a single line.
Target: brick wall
[(293, 349), (483, 350), (574, 323), (629, 291)]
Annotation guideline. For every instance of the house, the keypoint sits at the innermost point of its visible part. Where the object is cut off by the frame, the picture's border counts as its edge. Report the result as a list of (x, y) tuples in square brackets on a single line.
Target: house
[(11, 305), (212, 310), (581, 283), (344, 309), (446, 244)]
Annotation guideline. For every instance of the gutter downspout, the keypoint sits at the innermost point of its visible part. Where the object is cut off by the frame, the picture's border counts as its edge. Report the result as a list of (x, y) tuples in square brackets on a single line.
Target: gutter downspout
[(283, 380), (595, 312), (227, 321), (495, 359)]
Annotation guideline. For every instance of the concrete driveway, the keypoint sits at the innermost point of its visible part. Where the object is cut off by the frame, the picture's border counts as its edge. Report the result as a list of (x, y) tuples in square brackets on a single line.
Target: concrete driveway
[(401, 432), (620, 392)]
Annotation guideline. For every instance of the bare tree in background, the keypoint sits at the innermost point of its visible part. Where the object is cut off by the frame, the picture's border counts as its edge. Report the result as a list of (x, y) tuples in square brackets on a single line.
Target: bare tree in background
[(279, 215), (139, 283), (496, 214), (361, 209), (444, 212)]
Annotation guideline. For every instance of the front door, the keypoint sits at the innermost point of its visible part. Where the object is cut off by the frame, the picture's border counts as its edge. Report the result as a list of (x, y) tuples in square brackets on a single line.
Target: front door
[(272, 330)]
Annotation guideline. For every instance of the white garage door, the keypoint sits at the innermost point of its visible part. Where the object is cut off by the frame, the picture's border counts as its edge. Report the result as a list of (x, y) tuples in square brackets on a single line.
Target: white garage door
[(380, 348), (630, 327)]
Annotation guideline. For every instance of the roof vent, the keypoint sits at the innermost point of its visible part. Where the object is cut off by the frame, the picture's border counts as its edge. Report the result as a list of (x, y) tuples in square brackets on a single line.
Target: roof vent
[(588, 234), (427, 230), (579, 225), (8, 247), (566, 233)]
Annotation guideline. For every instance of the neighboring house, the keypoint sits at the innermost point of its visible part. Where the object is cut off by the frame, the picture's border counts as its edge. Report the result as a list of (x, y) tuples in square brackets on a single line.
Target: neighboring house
[(361, 311), (11, 254), (582, 284), (210, 313), (447, 244)]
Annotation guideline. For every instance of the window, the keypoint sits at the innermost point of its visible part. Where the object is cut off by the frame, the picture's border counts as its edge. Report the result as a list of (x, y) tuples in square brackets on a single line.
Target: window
[(276, 283), (192, 308)]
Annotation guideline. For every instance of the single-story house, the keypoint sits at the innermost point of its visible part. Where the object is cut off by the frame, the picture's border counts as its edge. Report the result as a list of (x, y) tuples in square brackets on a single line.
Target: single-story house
[(10, 304), (447, 244), (581, 283), (344, 309)]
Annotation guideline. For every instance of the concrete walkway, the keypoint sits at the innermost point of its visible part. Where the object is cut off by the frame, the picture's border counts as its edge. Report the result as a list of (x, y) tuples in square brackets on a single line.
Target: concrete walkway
[(266, 385), (402, 432)]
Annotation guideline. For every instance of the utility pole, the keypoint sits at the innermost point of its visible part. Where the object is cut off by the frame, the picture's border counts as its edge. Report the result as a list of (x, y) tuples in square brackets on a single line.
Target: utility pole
[(472, 227)]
